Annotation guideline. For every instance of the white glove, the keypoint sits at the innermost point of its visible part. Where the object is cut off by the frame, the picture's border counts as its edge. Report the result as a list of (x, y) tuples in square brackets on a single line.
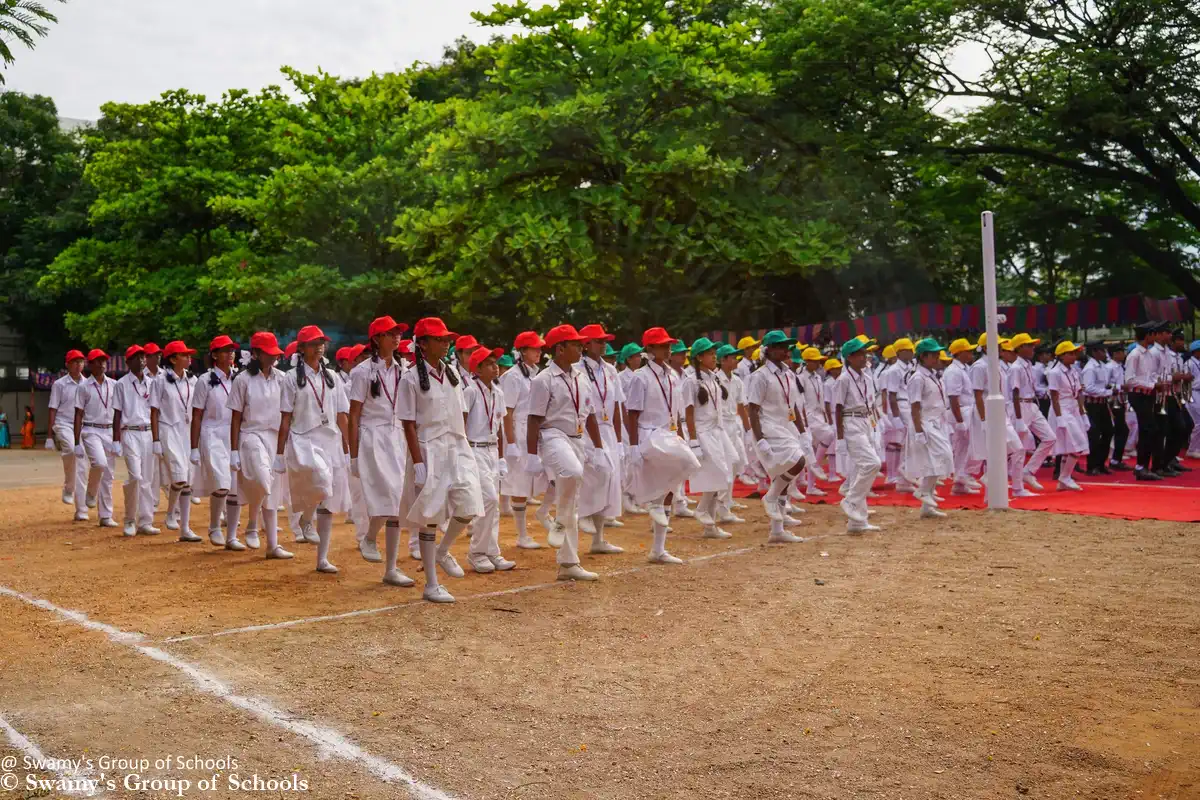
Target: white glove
[(79, 450), (49, 442), (1060, 422), (599, 460), (1087, 424), (277, 464), (502, 468), (235, 461), (346, 459), (354, 467), (533, 464), (195, 456), (157, 448), (512, 458), (763, 446), (420, 474), (921, 438), (115, 449), (963, 426), (697, 450), (634, 454)]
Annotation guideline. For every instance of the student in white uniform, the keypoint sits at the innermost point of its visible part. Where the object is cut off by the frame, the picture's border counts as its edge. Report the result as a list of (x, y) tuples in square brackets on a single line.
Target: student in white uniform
[(818, 425), (773, 400), (518, 484), (704, 398), (62, 436), (464, 346), (560, 414), (441, 481), (930, 454), (661, 459), (1067, 413), (748, 347), (1192, 365), (601, 492), (895, 435), (1028, 418), (833, 370), (93, 431), (485, 425), (632, 358), (855, 420), (160, 481), (131, 417), (735, 421), (213, 473), (312, 445), (956, 380), (171, 429)]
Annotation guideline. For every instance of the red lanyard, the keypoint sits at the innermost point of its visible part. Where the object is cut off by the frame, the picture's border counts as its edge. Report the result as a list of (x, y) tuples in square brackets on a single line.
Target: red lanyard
[(487, 407), (574, 396), (937, 382), (439, 376), (145, 396), (603, 390), (395, 386), (103, 399), (318, 378), (666, 393), (787, 390), (862, 392)]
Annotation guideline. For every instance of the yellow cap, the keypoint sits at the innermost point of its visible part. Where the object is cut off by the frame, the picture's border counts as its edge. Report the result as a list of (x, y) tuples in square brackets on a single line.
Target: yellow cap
[(959, 346), (812, 354), (756, 354), (1022, 338), (1067, 347), (889, 352), (832, 363), (943, 357), (747, 341), (982, 340), (903, 344), (1005, 344)]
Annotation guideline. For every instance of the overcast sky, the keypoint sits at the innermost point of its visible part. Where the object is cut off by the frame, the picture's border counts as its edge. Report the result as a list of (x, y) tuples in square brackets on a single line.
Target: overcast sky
[(133, 50)]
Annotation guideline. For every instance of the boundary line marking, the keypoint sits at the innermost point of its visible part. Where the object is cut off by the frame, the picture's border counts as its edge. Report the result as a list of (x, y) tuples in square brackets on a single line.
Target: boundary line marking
[(21, 742), (328, 741)]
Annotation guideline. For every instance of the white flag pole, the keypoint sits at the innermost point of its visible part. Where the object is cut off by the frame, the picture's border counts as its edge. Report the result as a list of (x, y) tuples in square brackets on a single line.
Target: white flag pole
[(997, 461)]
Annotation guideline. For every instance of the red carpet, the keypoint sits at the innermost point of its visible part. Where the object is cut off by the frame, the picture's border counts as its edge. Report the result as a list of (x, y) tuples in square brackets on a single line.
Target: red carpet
[(1119, 496)]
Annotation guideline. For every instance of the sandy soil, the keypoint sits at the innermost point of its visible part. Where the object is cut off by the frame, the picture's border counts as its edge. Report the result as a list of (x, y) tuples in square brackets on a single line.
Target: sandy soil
[(1020, 655)]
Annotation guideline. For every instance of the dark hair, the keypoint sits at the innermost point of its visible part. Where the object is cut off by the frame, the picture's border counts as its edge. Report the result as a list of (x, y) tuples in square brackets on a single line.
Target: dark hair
[(375, 382), (521, 364), (302, 379), (253, 367), (423, 371)]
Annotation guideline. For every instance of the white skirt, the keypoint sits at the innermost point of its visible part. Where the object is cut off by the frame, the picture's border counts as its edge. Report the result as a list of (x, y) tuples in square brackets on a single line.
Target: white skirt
[(1070, 437), (176, 443), (786, 451), (451, 484), (213, 473), (381, 456), (733, 431), (520, 483), (716, 462), (667, 461), (753, 471), (258, 480), (316, 466), (934, 458), (600, 492)]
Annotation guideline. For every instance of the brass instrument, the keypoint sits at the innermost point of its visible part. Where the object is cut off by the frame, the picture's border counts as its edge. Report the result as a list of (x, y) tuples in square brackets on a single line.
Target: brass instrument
[(1160, 392)]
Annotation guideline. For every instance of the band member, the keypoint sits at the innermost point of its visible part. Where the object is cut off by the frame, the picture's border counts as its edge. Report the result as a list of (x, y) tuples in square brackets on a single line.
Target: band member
[(930, 454), (171, 429), (1067, 411), (131, 419), (1178, 420), (62, 436), (485, 431), (1097, 401), (601, 492), (1144, 380), (93, 433), (1193, 406), (1121, 411), (211, 452)]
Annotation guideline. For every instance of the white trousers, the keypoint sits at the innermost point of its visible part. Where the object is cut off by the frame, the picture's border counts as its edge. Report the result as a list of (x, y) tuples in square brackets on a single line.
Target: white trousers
[(485, 529), (75, 470), (1193, 409), (140, 462), (101, 465), (862, 468), (562, 457), (1031, 415), (960, 443)]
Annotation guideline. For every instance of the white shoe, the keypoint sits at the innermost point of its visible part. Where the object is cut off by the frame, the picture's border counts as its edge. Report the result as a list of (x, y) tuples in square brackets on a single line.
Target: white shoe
[(861, 527), (664, 558), (795, 494), (129, 529), (108, 522), (872, 495), (196, 501), (81, 516), (659, 515), (533, 501), (252, 540), (278, 552), (791, 521), (310, 534), (586, 526), (729, 518), (172, 523), (501, 563), (632, 507), (683, 511), (1032, 482), (974, 484), (68, 498), (783, 537), (148, 530), (91, 501), (450, 566), (1069, 486), (189, 536), (574, 572), (557, 536), (414, 554), (234, 544), (216, 538), (437, 594), (525, 543), (481, 563), (816, 491), (370, 551), (1193, 454), (327, 568), (963, 489), (736, 506), (704, 519), (602, 547), (713, 532), (930, 512), (1023, 492), (613, 522), (788, 508), (906, 488), (394, 577), (774, 509)]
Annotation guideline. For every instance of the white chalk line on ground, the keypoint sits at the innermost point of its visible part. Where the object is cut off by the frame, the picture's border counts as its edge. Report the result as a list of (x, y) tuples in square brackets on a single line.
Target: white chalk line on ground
[(73, 782), (328, 741)]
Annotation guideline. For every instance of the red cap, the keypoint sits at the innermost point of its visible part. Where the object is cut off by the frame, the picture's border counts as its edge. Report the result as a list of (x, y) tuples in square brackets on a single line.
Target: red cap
[(311, 333), (133, 350), (483, 354), (74, 355), (355, 351), (341, 353), (406, 349), (290, 350), (266, 342), (150, 348), (596, 332), (431, 326), (385, 325), (528, 339), (563, 333), (176, 348), (97, 353), (221, 342), (465, 342), (657, 336)]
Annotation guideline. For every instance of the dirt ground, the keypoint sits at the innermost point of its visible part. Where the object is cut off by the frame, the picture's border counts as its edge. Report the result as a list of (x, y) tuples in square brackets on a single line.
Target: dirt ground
[(982, 656)]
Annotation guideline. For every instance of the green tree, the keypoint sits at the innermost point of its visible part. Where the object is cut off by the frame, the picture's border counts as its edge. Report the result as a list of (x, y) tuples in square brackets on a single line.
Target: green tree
[(22, 21)]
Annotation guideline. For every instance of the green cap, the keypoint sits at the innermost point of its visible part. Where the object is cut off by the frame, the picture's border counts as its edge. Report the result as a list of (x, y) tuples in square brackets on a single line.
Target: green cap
[(776, 338), (929, 345), (631, 349), (727, 350), (853, 346), (505, 360), (703, 345), (796, 357), (608, 350), (679, 347)]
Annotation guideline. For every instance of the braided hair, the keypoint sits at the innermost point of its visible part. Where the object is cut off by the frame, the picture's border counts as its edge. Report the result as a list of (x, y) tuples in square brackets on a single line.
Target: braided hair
[(375, 381), (423, 370), (521, 364), (322, 368), (254, 367)]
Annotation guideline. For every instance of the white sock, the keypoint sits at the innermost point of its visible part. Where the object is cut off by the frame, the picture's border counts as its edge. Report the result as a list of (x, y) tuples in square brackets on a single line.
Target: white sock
[(270, 518), (233, 517), (173, 501), (598, 523), (778, 487), (776, 527), (325, 532), (519, 521), (373, 530), (1067, 471), (216, 508), (185, 508), (428, 539), (659, 545), (392, 543), (453, 528)]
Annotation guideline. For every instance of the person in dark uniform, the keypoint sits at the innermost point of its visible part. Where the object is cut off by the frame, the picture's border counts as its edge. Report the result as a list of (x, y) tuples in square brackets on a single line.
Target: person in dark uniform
[(1120, 402), (1143, 378), (1179, 421), (1097, 401)]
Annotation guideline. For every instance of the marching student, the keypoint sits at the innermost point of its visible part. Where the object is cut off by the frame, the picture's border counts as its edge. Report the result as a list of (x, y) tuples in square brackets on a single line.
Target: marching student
[(601, 493), (1121, 413), (661, 459), (518, 484), (704, 398), (832, 369), (377, 447), (896, 411), (930, 455), (772, 400), (93, 431), (1067, 409), (211, 453), (956, 380), (131, 423), (887, 358), (312, 445), (484, 425), (1015, 449), (441, 481), (505, 363), (678, 360), (1179, 419), (632, 358), (62, 436), (735, 421), (813, 398), (1097, 401), (160, 481), (464, 346), (610, 355), (171, 430), (560, 412), (748, 346), (855, 421), (1027, 416)]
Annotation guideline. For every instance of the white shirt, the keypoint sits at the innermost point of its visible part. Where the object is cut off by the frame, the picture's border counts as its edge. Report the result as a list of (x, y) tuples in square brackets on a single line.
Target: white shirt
[(957, 382), (855, 391), (775, 391), (1116, 375), (1097, 380), (1141, 368), (315, 405), (1040, 386), (516, 389), (895, 379), (656, 393), (96, 400), (562, 399), (979, 375), (603, 386), (925, 387), (257, 397), (737, 393), (131, 397), (173, 400), (812, 398), (625, 376), (743, 369), (381, 410), (485, 411), (1193, 368), (438, 411), (211, 401), (1022, 377), (62, 400), (706, 415), (1067, 384)]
